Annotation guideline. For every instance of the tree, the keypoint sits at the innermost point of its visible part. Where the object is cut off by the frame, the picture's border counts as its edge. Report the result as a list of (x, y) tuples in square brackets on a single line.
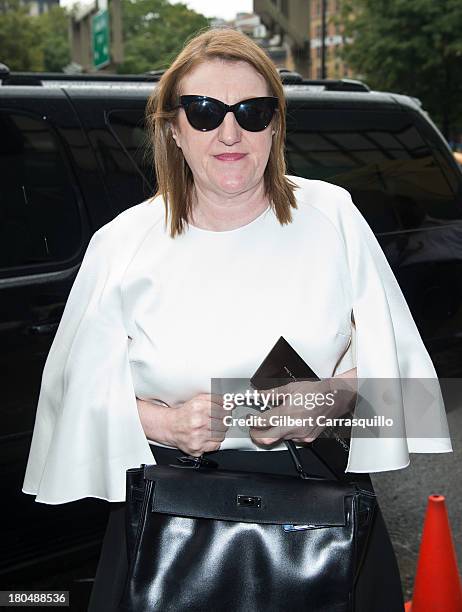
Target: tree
[(33, 43), (154, 32), (20, 37), (412, 47), (55, 39)]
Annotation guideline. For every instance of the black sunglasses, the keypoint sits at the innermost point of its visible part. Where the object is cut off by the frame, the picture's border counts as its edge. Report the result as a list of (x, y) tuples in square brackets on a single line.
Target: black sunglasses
[(206, 114)]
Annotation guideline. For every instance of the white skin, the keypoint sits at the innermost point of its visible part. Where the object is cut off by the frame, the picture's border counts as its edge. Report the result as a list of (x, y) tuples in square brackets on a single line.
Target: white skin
[(228, 194)]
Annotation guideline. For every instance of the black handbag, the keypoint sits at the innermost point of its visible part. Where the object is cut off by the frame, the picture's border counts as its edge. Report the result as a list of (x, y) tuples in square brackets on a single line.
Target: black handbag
[(204, 539)]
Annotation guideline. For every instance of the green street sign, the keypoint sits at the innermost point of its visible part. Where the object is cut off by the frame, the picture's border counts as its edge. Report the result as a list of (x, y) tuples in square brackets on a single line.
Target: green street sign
[(100, 39)]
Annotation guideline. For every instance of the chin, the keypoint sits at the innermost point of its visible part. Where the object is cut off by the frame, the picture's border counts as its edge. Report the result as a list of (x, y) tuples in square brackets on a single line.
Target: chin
[(233, 184)]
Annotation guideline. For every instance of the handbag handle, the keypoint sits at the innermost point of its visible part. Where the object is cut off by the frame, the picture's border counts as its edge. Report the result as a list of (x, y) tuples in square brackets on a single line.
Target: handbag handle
[(202, 461)]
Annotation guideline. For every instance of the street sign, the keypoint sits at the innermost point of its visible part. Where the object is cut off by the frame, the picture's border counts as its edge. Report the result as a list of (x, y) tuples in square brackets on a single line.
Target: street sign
[(100, 39)]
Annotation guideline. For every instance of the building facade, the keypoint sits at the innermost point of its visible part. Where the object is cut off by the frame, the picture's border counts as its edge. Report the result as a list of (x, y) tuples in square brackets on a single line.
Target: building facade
[(297, 26), (334, 40), (37, 7)]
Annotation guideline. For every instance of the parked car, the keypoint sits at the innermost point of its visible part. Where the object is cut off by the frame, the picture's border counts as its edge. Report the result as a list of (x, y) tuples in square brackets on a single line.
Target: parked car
[(72, 155)]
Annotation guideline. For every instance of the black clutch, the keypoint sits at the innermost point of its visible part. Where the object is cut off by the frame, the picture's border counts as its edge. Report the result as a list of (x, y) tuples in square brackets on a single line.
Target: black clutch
[(282, 365)]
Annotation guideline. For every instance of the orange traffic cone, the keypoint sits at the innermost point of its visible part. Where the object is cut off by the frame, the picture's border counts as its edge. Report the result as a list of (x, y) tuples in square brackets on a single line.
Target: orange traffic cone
[(437, 585)]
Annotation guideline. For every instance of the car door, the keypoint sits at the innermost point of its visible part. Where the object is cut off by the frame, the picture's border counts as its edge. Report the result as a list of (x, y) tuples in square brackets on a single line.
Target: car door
[(115, 126), (44, 230)]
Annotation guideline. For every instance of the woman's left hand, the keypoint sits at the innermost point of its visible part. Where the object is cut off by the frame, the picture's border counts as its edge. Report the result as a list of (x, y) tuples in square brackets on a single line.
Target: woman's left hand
[(304, 401)]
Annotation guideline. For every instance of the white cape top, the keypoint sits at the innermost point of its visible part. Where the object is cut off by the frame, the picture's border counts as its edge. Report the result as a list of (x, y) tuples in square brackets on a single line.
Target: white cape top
[(153, 317)]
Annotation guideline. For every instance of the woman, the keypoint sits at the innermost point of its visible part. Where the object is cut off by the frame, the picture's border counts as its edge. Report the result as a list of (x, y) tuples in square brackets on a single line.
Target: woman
[(200, 282)]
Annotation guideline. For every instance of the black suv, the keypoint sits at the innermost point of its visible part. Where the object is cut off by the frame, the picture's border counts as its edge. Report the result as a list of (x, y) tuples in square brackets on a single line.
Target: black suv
[(73, 156)]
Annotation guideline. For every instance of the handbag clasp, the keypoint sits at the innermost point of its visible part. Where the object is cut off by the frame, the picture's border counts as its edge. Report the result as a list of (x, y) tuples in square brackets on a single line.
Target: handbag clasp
[(248, 501), (196, 462)]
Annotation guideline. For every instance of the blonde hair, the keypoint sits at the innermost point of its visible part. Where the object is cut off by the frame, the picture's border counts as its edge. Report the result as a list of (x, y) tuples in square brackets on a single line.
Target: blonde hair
[(174, 178)]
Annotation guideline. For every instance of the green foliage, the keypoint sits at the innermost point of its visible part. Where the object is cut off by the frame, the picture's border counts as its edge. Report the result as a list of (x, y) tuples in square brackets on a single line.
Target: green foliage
[(412, 47), (20, 44), (55, 39), (33, 43), (154, 32)]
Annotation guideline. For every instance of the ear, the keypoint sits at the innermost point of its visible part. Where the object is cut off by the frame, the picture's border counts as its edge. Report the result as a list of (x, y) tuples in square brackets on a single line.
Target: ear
[(175, 135)]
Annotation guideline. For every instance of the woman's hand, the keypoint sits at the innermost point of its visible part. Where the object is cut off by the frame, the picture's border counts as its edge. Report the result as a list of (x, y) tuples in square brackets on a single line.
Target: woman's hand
[(195, 426), (304, 402)]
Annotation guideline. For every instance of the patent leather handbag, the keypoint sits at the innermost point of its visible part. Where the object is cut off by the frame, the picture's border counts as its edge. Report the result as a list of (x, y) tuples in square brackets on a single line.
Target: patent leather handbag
[(204, 539)]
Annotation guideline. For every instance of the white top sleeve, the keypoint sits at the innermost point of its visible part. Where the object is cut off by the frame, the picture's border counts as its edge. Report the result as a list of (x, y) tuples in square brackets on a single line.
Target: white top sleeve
[(87, 429), (387, 346)]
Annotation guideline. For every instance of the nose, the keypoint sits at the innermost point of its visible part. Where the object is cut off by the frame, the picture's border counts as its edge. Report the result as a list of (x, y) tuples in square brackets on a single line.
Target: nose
[(229, 132)]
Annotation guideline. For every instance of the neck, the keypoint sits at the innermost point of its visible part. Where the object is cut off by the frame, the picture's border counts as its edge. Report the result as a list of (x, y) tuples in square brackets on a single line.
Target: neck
[(212, 211)]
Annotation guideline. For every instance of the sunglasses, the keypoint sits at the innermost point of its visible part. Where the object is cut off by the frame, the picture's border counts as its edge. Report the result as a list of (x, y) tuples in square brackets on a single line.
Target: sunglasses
[(206, 114)]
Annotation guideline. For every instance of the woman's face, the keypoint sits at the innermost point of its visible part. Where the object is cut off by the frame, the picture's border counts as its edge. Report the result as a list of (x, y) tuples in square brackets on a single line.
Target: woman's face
[(229, 82)]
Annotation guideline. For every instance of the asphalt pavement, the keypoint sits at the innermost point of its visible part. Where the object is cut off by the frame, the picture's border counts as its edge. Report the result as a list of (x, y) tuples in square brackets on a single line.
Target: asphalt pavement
[(403, 495)]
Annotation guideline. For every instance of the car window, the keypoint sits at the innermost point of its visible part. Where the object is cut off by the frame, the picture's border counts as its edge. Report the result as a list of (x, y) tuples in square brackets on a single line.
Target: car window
[(127, 157), (397, 174), (39, 218)]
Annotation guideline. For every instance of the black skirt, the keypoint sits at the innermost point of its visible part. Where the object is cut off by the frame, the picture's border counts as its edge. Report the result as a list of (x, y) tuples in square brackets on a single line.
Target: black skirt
[(378, 588)]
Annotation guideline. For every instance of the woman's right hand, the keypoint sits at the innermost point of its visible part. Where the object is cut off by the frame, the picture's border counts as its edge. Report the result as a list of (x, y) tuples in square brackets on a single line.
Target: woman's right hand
[(197, 426)]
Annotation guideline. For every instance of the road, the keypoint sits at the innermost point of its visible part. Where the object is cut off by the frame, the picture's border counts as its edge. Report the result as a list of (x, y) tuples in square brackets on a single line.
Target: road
[(403, 497)]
